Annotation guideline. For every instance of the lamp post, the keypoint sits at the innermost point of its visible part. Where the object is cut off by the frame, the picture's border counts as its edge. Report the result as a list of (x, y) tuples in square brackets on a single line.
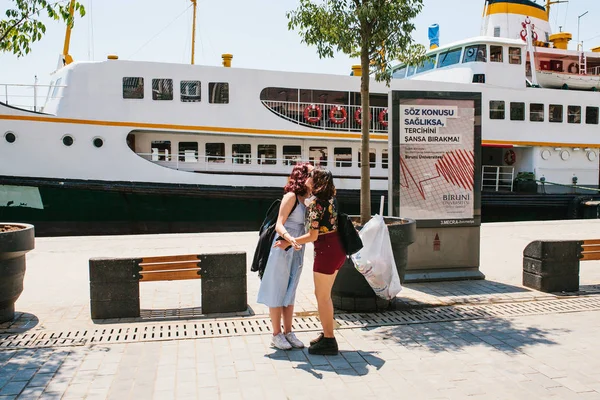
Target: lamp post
[(578, 20)]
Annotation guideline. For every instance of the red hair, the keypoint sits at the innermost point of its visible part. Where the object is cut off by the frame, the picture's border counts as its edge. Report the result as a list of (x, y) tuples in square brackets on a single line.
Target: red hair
[(297, 180)]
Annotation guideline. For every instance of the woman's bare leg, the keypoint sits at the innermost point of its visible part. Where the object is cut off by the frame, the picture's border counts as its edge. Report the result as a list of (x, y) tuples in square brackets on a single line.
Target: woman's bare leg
[(323, 285), (275, 314), (288, 315)]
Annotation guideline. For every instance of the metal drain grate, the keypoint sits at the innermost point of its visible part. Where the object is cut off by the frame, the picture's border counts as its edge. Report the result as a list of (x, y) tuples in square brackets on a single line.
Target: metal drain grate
[(143, 331)]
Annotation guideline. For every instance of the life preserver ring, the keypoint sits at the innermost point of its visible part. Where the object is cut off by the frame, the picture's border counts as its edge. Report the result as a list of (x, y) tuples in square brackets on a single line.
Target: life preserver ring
[(338, 120), (381, 118), (313, 118), (510, 157), (358, 116), (573, 68)]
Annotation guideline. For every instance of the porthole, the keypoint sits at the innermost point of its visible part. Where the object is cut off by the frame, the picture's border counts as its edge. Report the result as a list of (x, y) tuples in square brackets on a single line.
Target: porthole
[(67, 140), (98, 142), (10, 137), (591, 155), (546, 154), (565, 155)]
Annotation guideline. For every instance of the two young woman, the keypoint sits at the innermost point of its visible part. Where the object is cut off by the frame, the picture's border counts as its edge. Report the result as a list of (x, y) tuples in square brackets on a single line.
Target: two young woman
[(321, 228)]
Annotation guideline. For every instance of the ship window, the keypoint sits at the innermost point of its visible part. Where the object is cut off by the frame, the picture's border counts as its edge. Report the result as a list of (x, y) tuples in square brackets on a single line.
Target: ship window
[(428, 64), (267, 154), (475, 53), (10, 137), (215, 152), (496, 31), (536, 112), (496, 53), (399, 73), (188, 151), (292, 155), (517, 111), (218, 92), (242, 153), (279, 94), (98, 142), (343, 156), (162, 89), (68, 140), (133, 88), (450, 57), (574, 114), (555, 112), (317, 155), (372, 158), (591, 115), (411, 70), (190, 91), (384, 158), (161, 150), (514, 55), (496, 109)]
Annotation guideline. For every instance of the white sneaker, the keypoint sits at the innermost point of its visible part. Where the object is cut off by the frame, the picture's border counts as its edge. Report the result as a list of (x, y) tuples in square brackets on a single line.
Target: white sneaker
[(280, 342), (293, 340)]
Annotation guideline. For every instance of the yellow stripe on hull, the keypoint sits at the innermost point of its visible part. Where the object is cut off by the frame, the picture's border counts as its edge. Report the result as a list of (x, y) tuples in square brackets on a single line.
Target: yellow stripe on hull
[(519, 9)]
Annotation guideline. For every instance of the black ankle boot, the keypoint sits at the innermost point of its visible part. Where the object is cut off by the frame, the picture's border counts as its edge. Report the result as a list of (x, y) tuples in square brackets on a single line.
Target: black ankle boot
[(324, 347), (317, 339)]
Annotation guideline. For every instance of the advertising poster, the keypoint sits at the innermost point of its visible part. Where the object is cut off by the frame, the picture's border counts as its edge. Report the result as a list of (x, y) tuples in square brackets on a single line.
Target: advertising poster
[(437, 160)]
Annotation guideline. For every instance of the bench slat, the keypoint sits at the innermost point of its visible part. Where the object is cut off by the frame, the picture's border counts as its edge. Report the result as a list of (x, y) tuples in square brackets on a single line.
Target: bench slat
[(590, 255), (162, 259), (170, 266), (591, 241), (169, 275)]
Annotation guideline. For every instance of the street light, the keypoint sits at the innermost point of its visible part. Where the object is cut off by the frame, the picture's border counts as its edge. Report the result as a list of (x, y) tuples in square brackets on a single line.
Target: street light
[(578, 18)]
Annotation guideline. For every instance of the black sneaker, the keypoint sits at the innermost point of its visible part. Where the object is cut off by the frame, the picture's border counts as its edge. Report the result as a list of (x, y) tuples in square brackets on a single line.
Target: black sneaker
[(317, 339), (324, 347)]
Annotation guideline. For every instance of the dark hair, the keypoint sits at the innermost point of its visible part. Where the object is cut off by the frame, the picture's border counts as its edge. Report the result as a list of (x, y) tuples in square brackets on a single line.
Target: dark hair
[(322, 184), (297, 181)]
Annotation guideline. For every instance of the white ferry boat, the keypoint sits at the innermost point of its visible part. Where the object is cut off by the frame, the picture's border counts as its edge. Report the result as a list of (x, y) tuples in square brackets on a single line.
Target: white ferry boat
[(132, 147)]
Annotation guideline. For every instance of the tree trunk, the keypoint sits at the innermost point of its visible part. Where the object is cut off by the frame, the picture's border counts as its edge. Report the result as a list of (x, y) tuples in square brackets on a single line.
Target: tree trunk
[(365, 169)]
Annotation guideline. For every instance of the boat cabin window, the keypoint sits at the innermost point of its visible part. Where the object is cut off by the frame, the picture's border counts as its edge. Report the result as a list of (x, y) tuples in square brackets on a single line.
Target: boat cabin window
[(476, 53), (591, 115), (161, 150), (242, 153), (536, 112), (342, 156), (496, 109), (162, 89), (279, 94), (218, 92), (411, 70), (496, 31), (292, 155), (215, 152), (555, 112), (449, 57), (514, 55), (384, 158), (133, 88), (496, 53), (427, 65), (188, 151), (267, 154), (399, 73), (190, 91), (574, 114), (372, 158), (317, 155), (517, 111)]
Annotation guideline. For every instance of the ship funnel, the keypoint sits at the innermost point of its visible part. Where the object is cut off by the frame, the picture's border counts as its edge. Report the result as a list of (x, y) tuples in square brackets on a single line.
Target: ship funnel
[(434, 36)]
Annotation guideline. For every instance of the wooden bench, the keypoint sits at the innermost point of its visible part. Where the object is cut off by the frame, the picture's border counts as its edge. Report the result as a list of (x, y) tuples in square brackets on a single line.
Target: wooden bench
[(114, 282), (553, 266)]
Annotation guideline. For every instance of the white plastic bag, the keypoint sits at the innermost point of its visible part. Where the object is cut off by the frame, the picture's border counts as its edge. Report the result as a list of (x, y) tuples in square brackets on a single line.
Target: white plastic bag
[(375, 261)]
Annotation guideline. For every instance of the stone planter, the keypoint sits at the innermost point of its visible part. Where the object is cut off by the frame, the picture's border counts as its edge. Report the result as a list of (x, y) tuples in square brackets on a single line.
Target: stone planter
[(16, 240), (351, 292)]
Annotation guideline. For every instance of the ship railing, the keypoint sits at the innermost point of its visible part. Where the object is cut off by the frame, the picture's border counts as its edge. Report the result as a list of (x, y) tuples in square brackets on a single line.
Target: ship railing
[(497, 178), (328, 116), (593, 71), (27, 97)]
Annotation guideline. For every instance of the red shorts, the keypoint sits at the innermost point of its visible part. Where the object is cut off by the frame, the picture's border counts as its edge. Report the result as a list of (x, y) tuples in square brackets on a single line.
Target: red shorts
[(329, 254)]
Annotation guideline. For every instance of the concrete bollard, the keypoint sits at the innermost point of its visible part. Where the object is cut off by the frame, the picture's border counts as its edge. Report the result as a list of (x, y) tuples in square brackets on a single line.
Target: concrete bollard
[(114, 288), (224, 284), (552, 266)]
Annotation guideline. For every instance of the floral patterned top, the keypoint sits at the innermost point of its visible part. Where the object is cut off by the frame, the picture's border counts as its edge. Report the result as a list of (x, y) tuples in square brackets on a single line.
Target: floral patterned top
[(322, 215)]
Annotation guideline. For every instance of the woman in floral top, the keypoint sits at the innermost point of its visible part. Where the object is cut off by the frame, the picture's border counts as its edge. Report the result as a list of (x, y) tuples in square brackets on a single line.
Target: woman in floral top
[(322, 221)]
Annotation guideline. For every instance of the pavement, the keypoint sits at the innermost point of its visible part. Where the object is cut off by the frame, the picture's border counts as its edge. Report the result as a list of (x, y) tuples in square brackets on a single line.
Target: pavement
[(490, 339)]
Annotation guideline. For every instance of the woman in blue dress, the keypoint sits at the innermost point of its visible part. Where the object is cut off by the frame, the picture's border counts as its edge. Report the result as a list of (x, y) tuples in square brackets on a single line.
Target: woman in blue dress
[(284, 265)]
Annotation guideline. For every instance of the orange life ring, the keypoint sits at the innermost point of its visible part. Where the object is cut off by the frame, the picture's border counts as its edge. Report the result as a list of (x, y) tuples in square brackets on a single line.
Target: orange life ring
[(338, 120), (573, 68), (381, 118), (358, 116), (510, 157), (313, 118)]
